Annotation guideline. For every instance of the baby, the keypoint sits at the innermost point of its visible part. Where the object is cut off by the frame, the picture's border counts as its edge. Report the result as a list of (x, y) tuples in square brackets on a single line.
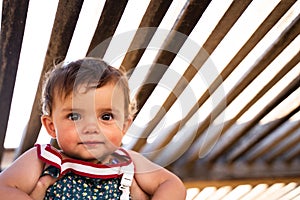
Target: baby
[(87, 109)]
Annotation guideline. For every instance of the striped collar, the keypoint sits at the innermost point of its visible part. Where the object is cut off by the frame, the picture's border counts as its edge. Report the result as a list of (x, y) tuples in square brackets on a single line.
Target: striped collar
[(52, 156)]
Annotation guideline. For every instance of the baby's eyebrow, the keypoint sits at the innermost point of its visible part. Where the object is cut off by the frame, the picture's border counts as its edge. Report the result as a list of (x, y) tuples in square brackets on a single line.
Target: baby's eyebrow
[(71, 110), (117, 111)]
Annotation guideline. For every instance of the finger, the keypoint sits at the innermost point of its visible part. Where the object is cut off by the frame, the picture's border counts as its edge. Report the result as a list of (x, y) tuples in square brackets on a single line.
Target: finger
[(41, 186), (137, 193), (47, 180)]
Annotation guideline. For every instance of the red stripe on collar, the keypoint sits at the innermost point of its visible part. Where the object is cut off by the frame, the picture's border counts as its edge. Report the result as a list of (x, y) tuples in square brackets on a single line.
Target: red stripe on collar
[(52, 156)]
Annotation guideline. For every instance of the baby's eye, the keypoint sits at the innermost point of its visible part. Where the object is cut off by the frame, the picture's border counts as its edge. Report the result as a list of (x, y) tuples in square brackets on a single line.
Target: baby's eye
[(74, 116), (107, 117)]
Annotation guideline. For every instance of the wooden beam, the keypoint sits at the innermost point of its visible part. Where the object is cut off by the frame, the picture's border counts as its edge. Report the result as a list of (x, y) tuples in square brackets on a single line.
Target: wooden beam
[(253, 122), (289, 158), (245, 147), (240, 170), (291, 64), (107, 25), (147, 28), (176, 38), (261, 31), (230, 17), (279, 98), (271, 157), (64, 25), (271, 144), (286, 37), (201, 184), (14, 14)]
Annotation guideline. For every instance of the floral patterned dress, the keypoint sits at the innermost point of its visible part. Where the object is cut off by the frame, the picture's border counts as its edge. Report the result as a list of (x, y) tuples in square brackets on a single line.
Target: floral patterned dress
[(84, 180)]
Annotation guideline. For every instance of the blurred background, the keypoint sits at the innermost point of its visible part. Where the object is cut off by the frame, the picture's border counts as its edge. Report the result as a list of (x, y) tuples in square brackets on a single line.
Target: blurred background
[(216, 83)]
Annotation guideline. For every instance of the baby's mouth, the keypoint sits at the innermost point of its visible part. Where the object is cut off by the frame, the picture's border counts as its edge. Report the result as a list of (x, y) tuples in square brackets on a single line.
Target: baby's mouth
[(91, 143)]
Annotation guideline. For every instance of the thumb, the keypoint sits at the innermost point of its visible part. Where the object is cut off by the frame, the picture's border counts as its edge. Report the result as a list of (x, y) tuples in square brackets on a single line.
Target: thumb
[(41, 186)]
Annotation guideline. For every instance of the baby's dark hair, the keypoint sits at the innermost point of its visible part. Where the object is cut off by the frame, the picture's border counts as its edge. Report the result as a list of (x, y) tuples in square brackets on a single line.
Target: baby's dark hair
[(66, 78)]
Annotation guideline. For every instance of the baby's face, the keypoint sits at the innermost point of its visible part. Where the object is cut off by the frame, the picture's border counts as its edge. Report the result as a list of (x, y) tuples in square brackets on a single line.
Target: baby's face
[(90, 124)]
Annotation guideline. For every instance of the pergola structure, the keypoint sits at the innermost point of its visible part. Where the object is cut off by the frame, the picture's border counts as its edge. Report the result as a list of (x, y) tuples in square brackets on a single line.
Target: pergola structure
[(246, 144)]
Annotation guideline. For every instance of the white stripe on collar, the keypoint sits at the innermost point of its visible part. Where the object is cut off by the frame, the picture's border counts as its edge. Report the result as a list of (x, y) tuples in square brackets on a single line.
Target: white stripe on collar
[(52, 156)]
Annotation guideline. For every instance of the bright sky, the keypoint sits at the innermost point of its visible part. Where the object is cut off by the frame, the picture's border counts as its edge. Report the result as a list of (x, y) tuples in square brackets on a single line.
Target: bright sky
[(41, 16)]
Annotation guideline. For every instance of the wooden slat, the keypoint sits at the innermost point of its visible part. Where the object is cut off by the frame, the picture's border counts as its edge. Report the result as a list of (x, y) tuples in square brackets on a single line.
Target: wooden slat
[(272, 144), (201, 184), (151, 20), (291, 157), (260, 136), (261, 31), (272, 156), (295, 60), (276, 101), (292, 63), (107, 25), (230, 17), (286, 37), (64, 25), (184, 25), (239, 171), (14, 14)]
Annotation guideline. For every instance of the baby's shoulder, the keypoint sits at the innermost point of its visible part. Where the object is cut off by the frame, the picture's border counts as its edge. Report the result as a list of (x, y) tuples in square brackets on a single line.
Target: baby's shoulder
[(142, 163)]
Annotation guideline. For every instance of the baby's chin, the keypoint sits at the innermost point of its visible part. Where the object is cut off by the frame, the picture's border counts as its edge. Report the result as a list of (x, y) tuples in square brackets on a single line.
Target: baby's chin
[(96, 159), (93, 155), (87, 157)]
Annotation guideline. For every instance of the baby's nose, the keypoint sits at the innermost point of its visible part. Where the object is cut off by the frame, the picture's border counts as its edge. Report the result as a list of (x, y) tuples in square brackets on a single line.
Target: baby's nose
[(91, 126)]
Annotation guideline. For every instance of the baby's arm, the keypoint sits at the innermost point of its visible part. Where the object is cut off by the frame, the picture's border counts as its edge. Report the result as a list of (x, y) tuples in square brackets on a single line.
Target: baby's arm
[(19, 180), (156, 181)]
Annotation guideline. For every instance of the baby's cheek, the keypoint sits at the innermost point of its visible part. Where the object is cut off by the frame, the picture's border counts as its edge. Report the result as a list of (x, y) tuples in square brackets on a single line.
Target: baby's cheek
[(116, 139)]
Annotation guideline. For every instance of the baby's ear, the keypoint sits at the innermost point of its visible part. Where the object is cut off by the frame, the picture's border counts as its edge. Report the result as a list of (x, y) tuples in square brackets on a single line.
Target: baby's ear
[(49, 125), (126, 125)]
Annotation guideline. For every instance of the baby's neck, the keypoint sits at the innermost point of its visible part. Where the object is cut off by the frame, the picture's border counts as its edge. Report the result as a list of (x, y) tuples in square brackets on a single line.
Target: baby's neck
[(107, 160)]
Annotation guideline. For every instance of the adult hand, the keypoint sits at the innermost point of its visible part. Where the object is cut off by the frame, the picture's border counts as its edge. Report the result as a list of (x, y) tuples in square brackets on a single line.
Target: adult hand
[(41, 186), (137, 193)]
